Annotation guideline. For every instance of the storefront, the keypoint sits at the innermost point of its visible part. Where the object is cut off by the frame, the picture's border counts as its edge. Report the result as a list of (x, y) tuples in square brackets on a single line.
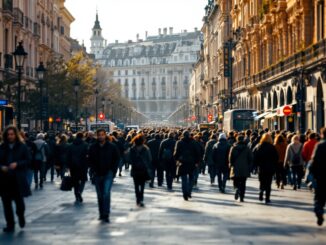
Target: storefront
[(6, 114)]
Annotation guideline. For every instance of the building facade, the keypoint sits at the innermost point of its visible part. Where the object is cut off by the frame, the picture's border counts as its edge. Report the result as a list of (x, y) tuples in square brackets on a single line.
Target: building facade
[(279, 61), (39, 24), (153, 73)]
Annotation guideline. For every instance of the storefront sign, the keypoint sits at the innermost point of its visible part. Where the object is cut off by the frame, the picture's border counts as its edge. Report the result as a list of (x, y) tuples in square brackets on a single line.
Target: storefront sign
[(3, 102), (287, 110)]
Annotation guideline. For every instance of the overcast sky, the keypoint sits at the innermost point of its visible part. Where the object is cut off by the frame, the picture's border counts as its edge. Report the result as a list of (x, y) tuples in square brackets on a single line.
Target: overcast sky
[(123, 19)]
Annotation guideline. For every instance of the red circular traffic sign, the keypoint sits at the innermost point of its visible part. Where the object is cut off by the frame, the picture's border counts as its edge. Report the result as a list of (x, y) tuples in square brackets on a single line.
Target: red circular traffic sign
[(287, 110)]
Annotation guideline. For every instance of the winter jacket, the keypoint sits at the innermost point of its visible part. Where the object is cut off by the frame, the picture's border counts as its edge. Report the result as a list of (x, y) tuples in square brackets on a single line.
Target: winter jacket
[(318, 165), (14, 182), (221, 151), (167, 145), (187, 154), (154, 146), (145, 155), (291, 150), (77, 159), (266, 159), (281, 151), (308, 149), (208, 155), (103, 158), (241, 160)]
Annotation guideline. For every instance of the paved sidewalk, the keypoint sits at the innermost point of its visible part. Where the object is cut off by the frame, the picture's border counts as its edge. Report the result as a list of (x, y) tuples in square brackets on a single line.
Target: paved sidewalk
[(209, 218)]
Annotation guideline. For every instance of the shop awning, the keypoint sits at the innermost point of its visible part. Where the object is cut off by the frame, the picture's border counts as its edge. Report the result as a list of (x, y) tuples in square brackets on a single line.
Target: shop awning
[(263, 115), (271, 115)]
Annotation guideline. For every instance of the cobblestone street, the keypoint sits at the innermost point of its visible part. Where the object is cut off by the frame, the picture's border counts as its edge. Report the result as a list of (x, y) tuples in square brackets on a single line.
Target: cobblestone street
[(209, 218)]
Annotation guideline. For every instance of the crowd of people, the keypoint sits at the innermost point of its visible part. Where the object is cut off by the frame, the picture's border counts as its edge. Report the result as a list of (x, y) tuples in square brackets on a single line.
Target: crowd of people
[(158, 155)]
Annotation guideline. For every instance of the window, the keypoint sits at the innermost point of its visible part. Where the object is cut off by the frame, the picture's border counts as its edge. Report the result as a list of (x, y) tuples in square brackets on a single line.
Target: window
[(134, 88), (119, 73), (143, 88), (126, 89), (175, 88), (154, 88), (163, 85), (126, 72)]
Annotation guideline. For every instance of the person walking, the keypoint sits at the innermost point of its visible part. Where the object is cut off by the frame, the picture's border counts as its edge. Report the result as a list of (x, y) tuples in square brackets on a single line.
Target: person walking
[(154, 146), (78, 166), (241, 160), (280, 146), (294, 159), (166, 158), (208, 157), (141, 167), (307, 151), (266, 159), (104, 160), (318, 170), (187, 156), (61, 155), (221, 151), (40, 159), (14, 160)]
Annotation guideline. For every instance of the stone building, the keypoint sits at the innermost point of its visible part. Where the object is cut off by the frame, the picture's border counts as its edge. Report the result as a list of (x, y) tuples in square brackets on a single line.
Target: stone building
[(154, 73), (279, 60)]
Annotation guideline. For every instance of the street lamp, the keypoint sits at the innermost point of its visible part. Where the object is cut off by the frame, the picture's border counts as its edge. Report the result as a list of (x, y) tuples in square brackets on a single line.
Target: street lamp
[(103, 105), (20, 56), (96, 109), (76, 89), (40, 70)]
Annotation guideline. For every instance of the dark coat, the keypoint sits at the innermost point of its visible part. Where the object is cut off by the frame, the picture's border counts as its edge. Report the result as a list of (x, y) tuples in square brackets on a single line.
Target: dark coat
[(61, 151), (103, 159), (208, 155), (154, 146), (266, 159), (241, 160), (15, 182), (220, 154), (77, 160), (318, 164), (168, 144), (145, 154), (188, 155)]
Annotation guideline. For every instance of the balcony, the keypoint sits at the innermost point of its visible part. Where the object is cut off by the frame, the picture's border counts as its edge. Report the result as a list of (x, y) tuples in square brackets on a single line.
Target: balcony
[(18, 17), (9, 64), (37, 29)]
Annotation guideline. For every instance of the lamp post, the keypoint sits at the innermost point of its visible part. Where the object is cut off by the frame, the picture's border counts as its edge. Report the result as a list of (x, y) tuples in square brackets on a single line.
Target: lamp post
[(103, 105), (96, 109), (40, 70), (20, 56), (76, 85), (197, 110)]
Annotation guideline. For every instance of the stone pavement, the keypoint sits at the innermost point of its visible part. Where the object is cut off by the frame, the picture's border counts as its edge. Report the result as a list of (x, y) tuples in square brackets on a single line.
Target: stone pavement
[(209, 218)]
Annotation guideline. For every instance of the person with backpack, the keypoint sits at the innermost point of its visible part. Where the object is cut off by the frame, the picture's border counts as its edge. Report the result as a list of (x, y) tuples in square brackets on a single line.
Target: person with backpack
[(141, 167), (40, 159), (221, 151), (166, 158), (266, 159), (77, 164), (241, 160), (104, 159), (294, 159), (188, 157), (208, 157)]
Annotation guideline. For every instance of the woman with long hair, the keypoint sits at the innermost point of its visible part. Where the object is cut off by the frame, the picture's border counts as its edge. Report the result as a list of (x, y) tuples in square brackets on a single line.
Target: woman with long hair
[(61, 154), (280, 146), (141, 166), (266, 159)]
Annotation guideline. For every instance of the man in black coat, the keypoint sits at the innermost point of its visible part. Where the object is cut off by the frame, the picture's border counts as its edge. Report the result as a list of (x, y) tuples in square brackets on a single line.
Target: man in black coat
[(166, 158), (104, 159), (318, 169), (154, 146), (14, 160), (77, 164)]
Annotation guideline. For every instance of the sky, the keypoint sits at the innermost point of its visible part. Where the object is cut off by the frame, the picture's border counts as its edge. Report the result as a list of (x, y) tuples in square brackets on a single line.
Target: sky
[(123, 19)]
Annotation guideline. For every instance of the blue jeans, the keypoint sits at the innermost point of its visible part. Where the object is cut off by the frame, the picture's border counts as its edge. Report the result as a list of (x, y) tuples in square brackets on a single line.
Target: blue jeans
[(222, 177), (187, 184), (103, 186), (29, 176), (297, 175)]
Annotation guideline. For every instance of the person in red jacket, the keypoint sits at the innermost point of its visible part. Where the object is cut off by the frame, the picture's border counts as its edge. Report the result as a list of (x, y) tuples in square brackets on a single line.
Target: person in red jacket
[(308, 147)]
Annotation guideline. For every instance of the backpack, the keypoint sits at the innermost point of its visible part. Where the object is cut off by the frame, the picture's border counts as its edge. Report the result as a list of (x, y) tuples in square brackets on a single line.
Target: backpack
[(167, 154), (296, 159), (39, 153)]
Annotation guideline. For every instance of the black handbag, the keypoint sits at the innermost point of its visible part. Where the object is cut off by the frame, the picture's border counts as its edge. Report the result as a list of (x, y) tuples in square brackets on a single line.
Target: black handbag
[(66, 184)]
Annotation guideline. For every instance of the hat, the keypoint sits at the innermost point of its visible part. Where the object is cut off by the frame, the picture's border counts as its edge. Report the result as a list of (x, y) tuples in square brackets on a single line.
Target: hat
[(222, 136), (40, 136)]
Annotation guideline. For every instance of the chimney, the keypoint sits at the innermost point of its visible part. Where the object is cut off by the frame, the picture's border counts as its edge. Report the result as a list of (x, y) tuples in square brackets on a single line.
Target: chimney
[(196, 29), (165, 31), (185, 31), (116, 41), (159, 31), (137, 37), (146, 34), (171, 30)]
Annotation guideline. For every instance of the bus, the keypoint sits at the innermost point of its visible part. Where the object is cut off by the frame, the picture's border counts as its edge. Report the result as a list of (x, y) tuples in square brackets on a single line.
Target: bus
[(239, 119), (107, 126)]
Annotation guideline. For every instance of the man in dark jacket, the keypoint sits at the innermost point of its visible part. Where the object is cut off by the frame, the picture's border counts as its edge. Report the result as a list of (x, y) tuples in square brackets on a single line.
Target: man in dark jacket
[(208, 157), (318, 169), (220, 157), (167, 160), (104, 159), (188, 156), (14, 160), (154, 146), (77, 164)]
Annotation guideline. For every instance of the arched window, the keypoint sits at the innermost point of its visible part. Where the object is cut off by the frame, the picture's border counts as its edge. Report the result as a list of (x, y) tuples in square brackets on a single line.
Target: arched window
[(163, 85), (269, 101), (275, 100), (175, 89), (282, 98), (289, 96), (126, 88)]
